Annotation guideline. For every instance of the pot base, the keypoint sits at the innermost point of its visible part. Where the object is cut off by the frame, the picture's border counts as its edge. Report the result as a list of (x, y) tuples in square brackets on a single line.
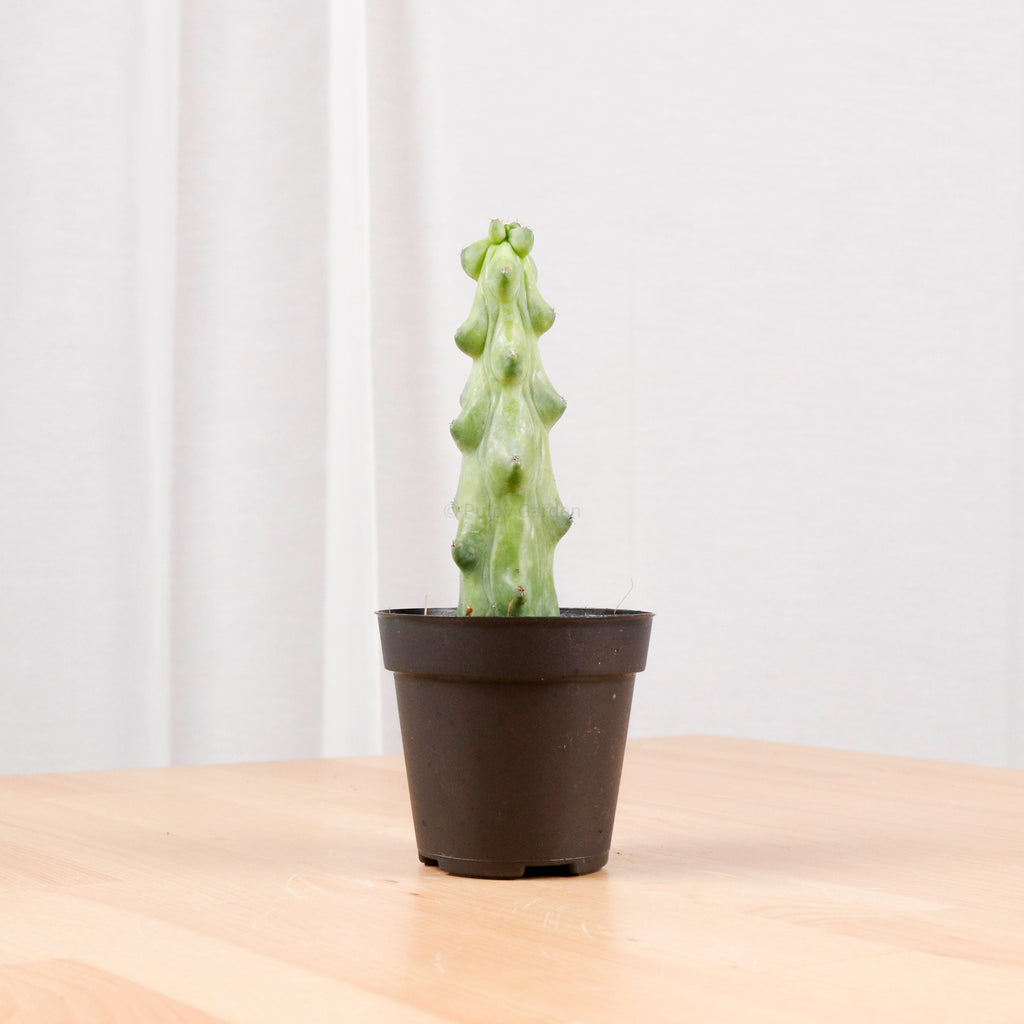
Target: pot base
[(514, 869)]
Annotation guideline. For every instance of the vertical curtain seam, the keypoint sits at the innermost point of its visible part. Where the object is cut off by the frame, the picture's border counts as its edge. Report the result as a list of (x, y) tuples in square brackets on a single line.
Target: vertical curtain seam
[(156, 295), (1014, 679), (351, 710)]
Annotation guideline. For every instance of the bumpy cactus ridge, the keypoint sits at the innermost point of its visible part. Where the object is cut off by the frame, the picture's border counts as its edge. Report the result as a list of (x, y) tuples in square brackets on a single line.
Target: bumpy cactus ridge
[(510, 515)]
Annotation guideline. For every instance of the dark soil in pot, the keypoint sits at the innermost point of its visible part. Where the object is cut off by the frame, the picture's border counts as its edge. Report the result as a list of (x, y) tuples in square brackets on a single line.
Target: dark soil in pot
[(513, 731)]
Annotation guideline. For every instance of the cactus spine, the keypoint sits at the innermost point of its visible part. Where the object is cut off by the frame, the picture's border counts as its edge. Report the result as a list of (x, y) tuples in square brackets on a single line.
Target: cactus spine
[(510, 516)]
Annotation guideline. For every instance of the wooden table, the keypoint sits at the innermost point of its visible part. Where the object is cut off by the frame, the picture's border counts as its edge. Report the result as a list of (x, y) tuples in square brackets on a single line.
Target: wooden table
[(748, 882)]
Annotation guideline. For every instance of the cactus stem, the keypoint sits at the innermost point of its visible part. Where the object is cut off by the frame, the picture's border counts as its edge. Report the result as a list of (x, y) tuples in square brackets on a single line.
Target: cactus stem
[(508, 407)]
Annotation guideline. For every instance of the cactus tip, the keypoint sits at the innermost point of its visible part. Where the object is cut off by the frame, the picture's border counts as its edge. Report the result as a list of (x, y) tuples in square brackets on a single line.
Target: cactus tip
[(521, 239)]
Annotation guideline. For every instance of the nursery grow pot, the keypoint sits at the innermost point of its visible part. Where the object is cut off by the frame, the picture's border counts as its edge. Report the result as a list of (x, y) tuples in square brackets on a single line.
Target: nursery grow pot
[(513, 731)]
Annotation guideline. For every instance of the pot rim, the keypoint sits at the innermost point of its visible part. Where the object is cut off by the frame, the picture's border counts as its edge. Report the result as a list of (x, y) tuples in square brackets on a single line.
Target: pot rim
[(448, 613), (584, 642)]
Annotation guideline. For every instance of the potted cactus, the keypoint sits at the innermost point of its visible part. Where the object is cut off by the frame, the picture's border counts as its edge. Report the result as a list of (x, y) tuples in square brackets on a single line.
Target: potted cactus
[(513, 711)]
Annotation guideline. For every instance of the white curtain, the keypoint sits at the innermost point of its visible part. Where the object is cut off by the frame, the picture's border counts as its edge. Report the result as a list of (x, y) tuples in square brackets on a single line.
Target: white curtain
[(187, 518), (786, 246)]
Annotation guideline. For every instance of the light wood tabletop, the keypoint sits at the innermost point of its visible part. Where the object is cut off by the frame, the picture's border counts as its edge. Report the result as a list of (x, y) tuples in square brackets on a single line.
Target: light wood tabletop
[(748, 882)]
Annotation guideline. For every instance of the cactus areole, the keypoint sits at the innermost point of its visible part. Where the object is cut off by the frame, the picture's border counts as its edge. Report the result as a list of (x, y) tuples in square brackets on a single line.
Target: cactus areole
[(509, 514)]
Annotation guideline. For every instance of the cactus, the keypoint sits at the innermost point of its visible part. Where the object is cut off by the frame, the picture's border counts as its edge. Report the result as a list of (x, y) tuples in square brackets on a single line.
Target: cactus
[(509, 514)]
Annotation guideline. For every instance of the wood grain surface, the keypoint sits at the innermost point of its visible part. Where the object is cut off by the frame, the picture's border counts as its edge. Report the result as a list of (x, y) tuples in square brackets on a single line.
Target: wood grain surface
[(748, 882)]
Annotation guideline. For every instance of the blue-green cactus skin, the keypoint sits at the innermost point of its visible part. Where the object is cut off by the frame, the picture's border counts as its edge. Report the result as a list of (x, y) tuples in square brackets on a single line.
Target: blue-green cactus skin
[(509, 512)]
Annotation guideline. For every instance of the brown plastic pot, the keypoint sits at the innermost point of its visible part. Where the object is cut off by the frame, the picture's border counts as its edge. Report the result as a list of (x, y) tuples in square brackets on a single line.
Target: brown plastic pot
[(513, 731)]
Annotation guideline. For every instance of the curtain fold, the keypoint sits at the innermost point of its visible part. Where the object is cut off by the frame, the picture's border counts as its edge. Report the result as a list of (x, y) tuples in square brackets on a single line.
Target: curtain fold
[(155, 292), (185, 388), (79, 633), (352, 714), (250, 402)]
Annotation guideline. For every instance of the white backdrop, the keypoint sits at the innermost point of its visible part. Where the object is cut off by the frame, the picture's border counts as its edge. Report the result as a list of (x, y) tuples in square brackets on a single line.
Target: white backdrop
[(786, 247)]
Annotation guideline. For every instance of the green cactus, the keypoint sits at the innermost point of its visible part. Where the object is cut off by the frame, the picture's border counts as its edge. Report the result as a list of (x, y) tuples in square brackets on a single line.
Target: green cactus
[(510, 515)]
